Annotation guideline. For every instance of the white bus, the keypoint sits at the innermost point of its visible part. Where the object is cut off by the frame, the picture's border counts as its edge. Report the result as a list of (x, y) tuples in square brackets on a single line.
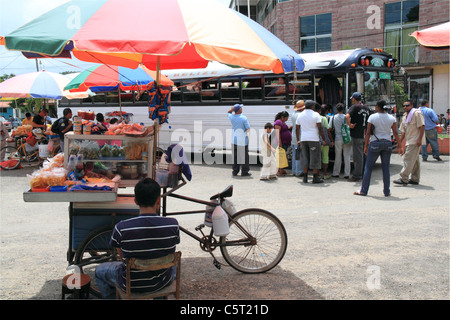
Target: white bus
[(201, 98)]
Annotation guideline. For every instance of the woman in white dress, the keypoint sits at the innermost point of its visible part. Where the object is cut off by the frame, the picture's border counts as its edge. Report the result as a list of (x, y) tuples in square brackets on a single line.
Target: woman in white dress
[(269, 168)]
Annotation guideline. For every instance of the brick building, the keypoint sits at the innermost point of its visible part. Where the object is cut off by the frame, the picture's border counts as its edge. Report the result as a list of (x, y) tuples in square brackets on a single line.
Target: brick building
[(319, 25)]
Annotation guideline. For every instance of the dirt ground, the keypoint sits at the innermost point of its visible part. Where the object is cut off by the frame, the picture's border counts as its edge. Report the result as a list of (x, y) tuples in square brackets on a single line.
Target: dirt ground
[(340, 246)]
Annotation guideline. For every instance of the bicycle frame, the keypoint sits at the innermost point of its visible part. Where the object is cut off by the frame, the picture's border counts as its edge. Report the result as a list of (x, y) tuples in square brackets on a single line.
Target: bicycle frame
[(250, 240)]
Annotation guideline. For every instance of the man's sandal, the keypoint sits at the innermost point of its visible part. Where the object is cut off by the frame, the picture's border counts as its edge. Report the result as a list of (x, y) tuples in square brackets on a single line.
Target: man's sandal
[(357, 193)]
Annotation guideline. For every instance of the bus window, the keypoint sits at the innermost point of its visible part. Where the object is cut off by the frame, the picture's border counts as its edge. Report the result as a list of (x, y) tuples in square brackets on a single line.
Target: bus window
[(252, 88), (230, 89), (275, 87), (191, 91), (299, 89), (210, 90), (376, 87), (176, 92)]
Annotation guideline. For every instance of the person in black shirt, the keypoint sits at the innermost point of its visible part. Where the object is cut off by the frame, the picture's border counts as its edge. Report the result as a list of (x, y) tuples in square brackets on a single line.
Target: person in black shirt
[(356, 118), (64, 125), (39, 119)]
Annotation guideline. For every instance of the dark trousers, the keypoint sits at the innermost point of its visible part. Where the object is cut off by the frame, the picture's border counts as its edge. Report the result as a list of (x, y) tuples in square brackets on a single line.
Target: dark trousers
[(240, 158)]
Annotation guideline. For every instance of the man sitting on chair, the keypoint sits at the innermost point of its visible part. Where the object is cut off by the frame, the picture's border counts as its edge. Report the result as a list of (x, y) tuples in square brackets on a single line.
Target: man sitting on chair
[(147, 236)]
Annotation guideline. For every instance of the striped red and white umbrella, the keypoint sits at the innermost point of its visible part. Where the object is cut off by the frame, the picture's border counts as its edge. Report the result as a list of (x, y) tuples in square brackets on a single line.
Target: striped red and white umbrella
[(169, 34)]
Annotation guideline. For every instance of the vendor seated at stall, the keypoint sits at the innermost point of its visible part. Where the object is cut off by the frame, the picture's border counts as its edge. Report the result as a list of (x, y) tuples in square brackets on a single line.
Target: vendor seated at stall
[(147, 236)]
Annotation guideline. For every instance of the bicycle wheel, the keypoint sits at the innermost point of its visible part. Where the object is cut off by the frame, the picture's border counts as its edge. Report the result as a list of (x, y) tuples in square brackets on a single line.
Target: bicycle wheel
[(265, 252), (94, 250), (11, 159)]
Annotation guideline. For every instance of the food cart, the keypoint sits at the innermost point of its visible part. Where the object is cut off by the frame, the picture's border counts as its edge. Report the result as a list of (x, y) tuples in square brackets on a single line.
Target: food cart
[(115, 162)]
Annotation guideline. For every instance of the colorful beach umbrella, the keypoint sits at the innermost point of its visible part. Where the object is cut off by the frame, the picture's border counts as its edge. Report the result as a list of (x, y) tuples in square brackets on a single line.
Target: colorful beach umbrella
[(437, 37), (110, 78), (169, 34), (40, 84)]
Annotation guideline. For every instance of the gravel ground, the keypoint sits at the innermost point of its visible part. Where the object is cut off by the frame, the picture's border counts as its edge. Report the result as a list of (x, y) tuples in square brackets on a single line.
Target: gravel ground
[(340, 246)]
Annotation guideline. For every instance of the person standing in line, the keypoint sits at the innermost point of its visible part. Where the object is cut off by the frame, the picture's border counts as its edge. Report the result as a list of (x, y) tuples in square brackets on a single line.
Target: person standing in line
[(330, 91), (310, 124), (297, 169), (431, 135), (356, 118), (239, 143), (378, 131), (340, 149), (283, 135), (269, 168), (413, 129), (325, 149)]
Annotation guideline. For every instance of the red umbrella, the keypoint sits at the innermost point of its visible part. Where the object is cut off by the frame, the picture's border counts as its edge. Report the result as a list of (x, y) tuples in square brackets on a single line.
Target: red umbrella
[(437, 37)]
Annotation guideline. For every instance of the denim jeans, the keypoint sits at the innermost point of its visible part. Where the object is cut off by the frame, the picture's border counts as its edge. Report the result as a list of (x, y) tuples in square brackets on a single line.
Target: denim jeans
[(297, 167), (431, 136), (106, 277), (383, 149)]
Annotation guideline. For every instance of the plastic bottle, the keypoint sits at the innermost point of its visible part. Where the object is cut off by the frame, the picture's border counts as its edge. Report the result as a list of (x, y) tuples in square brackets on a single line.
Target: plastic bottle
[(220, 222), (228, 206), (72, 163), (208, 215)]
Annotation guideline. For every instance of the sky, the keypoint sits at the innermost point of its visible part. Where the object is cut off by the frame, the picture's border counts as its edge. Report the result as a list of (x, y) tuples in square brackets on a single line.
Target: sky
[(15, 13)]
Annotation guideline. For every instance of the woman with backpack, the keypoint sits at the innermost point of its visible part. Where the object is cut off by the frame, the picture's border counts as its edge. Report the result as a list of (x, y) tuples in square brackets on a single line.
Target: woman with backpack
[(378, 131)]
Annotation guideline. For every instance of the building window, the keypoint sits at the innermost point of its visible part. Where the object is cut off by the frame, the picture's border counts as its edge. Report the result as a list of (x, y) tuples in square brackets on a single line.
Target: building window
[(401, 19), (315, 33)]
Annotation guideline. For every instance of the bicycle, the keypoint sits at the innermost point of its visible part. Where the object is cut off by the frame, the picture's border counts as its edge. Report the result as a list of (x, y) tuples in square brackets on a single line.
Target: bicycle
[(13, 156), (256, 243)]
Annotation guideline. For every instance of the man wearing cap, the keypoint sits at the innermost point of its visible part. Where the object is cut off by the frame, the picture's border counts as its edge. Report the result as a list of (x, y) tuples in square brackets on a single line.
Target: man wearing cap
[(308, 128), (239, 143), (412, 129), (356, 118), (297, 168), (431, 135)]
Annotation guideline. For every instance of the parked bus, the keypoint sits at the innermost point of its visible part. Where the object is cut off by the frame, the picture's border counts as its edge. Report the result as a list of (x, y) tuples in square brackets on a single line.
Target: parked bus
[(201, 98)]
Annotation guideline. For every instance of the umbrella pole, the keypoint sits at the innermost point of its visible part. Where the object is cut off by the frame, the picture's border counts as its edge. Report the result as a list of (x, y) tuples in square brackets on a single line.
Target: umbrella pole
[(157, 69), (120, 106)]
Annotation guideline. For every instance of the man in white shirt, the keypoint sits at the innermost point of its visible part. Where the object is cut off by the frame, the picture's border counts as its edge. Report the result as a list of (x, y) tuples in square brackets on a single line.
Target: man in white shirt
[(308, 127)]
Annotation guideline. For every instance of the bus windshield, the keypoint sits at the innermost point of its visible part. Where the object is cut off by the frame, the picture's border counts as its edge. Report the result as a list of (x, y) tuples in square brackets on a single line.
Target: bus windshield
[(377, 86)]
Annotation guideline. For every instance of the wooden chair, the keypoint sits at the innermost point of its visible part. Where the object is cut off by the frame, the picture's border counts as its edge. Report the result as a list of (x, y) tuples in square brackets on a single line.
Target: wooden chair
[(173, 259)]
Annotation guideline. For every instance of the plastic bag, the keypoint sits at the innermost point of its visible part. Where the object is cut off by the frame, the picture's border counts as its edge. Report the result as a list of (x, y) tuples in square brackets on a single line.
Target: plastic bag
[(280, 156)]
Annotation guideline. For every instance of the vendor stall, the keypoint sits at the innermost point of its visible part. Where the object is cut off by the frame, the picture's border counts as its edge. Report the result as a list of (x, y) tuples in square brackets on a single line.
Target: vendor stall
[(88, 175)]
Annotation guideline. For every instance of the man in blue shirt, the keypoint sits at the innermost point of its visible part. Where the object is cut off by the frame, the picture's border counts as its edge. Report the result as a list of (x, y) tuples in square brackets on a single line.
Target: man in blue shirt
[(431, 119), (239, 142), (147, 236)]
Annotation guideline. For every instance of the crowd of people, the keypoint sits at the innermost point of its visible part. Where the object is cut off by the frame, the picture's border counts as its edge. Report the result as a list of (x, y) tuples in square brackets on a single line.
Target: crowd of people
[(357, 133)]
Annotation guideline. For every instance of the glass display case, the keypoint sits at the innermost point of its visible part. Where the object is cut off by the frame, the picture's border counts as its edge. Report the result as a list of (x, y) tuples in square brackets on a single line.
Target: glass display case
[(108, 155)]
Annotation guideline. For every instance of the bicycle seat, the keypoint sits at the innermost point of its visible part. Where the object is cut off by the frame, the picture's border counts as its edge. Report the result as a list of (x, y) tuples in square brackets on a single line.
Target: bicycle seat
[(228, 192)]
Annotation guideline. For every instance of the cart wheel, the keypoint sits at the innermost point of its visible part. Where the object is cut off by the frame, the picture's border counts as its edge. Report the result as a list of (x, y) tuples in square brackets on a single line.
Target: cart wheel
[(94, 250)]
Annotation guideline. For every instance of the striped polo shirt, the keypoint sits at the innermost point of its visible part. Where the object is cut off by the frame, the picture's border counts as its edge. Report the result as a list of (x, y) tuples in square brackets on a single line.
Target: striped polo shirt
[(147, 236)]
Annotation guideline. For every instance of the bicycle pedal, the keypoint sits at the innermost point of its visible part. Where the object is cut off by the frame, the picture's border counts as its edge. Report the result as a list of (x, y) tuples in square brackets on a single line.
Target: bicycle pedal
[(199, 227), (217, 264)]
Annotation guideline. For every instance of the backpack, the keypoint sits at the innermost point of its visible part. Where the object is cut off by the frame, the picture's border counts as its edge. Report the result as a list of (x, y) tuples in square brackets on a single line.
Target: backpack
[(56, 126)]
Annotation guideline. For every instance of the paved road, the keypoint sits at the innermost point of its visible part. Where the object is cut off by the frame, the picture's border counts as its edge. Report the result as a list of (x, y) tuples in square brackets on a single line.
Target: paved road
[(340, 246)]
